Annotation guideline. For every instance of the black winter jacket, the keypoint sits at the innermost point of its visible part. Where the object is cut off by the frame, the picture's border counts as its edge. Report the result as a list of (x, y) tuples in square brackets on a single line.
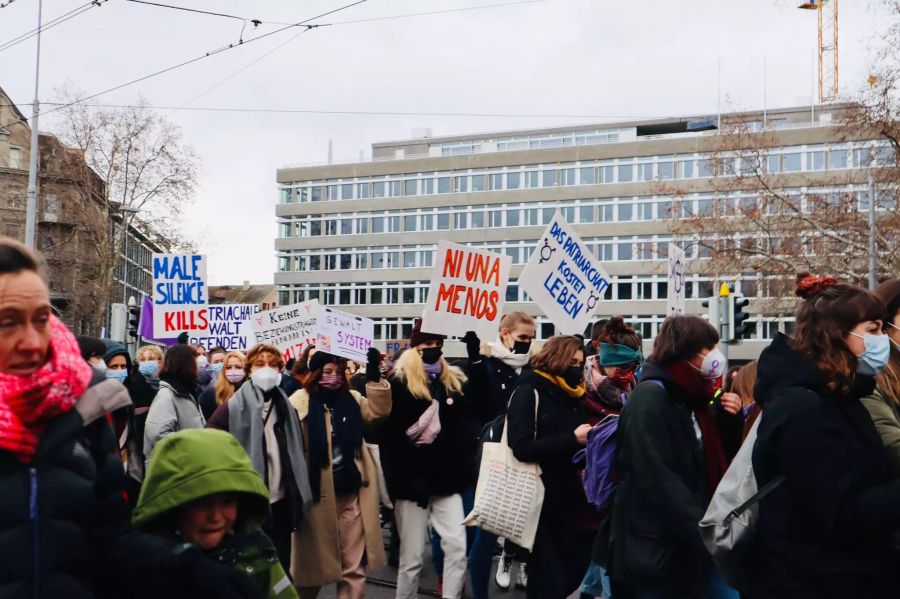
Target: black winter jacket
[(501, 382), (663, 491), (825, 531), (64, 523), (552, 444), (415, 473)]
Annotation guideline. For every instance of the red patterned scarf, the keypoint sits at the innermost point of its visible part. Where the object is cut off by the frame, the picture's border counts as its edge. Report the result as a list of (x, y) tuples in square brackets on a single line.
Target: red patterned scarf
[(27, 404)]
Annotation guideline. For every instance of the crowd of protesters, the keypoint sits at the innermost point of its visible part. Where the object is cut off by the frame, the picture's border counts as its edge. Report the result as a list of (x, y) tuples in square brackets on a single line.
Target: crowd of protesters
[(194, 472)]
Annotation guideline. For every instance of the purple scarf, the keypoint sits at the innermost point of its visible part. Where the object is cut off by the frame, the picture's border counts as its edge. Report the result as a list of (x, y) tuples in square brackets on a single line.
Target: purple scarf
[(433, 370)]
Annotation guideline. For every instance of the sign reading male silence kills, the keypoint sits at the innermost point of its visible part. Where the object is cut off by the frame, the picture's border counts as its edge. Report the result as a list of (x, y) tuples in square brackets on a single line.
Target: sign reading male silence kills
[(180, 295), (289, 328), (468, 288), (563, 278)]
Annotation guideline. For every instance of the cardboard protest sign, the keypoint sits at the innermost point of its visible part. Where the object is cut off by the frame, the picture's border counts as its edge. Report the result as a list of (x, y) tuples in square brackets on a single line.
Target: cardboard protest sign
[(289, 328), (180, 295), (343, 334), (229, 327), (468, 289), (393, 346), (563, 278), (675, 281)]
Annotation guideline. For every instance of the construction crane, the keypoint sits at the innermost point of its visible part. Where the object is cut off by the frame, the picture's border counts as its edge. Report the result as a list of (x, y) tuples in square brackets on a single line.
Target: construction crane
[(828, 47)]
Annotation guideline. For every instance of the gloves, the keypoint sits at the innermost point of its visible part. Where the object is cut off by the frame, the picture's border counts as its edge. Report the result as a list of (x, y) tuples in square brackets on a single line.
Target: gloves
[(373, 365), (196, 575), (473, 346)]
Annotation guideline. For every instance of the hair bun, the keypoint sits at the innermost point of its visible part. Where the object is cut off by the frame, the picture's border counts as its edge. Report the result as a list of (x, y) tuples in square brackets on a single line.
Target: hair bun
[(809, 286)]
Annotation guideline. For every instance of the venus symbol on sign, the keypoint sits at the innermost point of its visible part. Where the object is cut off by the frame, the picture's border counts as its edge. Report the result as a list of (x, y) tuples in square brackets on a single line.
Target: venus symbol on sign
[(592, 301), (678, 275), (546, 251)]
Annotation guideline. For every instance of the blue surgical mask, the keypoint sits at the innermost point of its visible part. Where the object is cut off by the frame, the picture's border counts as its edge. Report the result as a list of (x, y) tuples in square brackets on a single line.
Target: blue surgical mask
[(149, 368), (217, 368), (876, 355), (118, 375)]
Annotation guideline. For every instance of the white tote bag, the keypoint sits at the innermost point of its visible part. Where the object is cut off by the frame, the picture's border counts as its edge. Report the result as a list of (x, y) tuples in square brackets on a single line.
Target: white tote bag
[(509, 494)]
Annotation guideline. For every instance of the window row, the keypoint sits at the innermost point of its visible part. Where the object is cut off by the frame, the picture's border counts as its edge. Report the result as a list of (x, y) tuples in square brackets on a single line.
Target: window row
[(622, 170)]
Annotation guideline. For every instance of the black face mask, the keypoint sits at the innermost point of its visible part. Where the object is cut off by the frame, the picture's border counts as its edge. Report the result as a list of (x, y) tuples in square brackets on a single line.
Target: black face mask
[(521, 347), (430, 355), (573, 376)]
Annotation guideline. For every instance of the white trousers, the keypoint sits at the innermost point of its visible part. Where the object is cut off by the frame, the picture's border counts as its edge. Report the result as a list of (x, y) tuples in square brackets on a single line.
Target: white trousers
[(446, 518)]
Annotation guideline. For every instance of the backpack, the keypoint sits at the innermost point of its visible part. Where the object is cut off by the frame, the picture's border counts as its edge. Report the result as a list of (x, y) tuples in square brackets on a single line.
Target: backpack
[(598, 478), (728, 528)]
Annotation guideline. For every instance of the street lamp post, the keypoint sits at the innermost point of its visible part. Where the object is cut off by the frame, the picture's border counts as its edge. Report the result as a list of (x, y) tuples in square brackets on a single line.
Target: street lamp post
[(873, 247), (31, 196)]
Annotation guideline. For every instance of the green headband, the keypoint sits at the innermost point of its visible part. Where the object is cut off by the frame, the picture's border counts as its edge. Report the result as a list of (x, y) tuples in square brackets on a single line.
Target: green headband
[(619, 355)]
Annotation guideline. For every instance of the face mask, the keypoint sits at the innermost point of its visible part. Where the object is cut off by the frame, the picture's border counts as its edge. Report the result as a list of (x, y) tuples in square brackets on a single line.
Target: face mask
[(876, 355), (430, 355), (574, 375), (234, 375), (217, 368), (99, 366), (623, 378), (713, 365), (202, 362), (521, 347), (265, 378), (117, 375), (330, 381), (149, 368)]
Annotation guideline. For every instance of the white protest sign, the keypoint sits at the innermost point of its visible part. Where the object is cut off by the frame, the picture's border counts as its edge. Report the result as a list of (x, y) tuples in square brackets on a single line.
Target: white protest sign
[(180, 295), (343, 334), (675, 281), (563, 278), (289, 328), (229, 327), (468, 288)]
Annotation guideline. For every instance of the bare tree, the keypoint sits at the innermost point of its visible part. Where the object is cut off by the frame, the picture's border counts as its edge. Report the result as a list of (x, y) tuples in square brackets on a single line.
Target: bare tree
[(150, 174)]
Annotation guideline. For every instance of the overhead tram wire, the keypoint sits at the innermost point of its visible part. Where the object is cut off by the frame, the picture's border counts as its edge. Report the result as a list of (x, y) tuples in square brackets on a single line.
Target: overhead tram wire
[(51, 24), (428, 13), (304, 23)]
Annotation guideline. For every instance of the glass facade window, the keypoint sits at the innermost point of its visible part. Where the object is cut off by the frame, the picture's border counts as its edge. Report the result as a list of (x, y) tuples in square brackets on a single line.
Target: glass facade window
[(477, 182), (773, 163), (607, 174), (496, 182), (410, 222), (625, 172), (837, 159), (586, 214), (665, 170), (626, 212), (815, 161), (411, 187), (444, 185), (362, 191), (513, 180), (624, 248), (568, 176), (588, 175), (443, 221), (347, 191), (531, 179), (685, 169), (462, 184), (645, 171), (548, 178), (378, 189), (478, 217), (512, 218), (792, 162)]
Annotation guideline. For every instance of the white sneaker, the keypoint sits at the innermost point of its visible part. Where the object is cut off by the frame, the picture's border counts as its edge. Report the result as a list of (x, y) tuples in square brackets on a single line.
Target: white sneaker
[(522, 576), (503, 577)]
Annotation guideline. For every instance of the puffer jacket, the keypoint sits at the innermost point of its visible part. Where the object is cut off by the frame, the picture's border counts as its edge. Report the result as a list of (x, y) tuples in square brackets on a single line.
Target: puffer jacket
[(172, 410)]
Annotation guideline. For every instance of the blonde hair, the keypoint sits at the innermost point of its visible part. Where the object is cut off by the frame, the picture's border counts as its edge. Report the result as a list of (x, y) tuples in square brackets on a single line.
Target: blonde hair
[(224, 387), (410, 369), (149, 349), (514, 319)]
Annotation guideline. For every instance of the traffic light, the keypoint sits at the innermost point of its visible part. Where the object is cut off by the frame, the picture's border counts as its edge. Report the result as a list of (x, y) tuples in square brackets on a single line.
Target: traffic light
[(738, 328), (134, 320)]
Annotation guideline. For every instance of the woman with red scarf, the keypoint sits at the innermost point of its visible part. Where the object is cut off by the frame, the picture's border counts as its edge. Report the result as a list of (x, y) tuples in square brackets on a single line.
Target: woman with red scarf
[(609, 375), (669, 461), (63, 514)]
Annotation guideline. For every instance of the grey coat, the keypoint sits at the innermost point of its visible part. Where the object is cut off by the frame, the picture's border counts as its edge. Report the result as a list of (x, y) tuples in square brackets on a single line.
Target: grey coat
[(170, 412)]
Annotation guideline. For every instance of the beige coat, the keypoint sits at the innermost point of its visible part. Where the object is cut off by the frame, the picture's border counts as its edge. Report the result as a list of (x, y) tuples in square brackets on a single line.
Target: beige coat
[(316, 551)]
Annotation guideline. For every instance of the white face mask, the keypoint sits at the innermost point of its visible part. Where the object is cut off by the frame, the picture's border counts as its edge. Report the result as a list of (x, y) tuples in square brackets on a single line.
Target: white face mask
[(713, 365), (202, 361), (265, 378)]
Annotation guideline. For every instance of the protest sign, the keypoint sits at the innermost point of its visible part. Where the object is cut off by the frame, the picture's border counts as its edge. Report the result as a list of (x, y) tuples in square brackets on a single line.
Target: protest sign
[(675, 281), (468, 288), (563, 278), (343, 334), (180, 295), (289, 328), (229, 327), (393, 346)]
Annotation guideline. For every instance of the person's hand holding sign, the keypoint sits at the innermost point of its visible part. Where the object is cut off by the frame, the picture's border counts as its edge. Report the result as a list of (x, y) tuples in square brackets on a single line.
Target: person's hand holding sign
[(373, 365), (473, 347)]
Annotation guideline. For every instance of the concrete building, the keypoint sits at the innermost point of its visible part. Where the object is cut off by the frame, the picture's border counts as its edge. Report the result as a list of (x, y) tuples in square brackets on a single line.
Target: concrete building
[(261, 295), (361, 236)]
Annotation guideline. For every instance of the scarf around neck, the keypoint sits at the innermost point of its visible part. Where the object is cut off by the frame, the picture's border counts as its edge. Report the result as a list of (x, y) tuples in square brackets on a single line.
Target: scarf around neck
[(347, 430), (433, 370), (698, 393), (507, 356), (575, 392), (27, 404)]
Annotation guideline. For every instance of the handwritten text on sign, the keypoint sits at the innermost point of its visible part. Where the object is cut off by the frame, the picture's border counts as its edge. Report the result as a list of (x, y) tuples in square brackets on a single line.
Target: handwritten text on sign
[(289, 328), (180, 294), (468, 289), (345, 335), (229, 327), (675, 281), (563, 278)]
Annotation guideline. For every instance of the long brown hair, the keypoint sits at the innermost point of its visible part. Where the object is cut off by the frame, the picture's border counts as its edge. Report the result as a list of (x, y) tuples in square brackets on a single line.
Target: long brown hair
[(744, 381), (829, 311), (224, 387), (556, 355), (889, 379), (682, 338)]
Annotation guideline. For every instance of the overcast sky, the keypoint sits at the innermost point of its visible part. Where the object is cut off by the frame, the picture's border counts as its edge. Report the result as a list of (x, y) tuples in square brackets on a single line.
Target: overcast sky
[(605, 58)]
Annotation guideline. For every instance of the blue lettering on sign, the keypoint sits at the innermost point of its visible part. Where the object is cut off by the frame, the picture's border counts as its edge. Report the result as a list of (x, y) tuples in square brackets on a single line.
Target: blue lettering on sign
[(581, 258), (563, 296)]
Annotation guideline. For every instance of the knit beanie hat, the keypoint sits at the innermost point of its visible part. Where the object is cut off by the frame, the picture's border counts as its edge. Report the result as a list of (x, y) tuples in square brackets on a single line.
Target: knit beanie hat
[(418, 337), (320, 359)]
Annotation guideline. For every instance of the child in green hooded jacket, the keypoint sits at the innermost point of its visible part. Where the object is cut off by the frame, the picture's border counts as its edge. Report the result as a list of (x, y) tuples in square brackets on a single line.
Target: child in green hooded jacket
[(201, 488)]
